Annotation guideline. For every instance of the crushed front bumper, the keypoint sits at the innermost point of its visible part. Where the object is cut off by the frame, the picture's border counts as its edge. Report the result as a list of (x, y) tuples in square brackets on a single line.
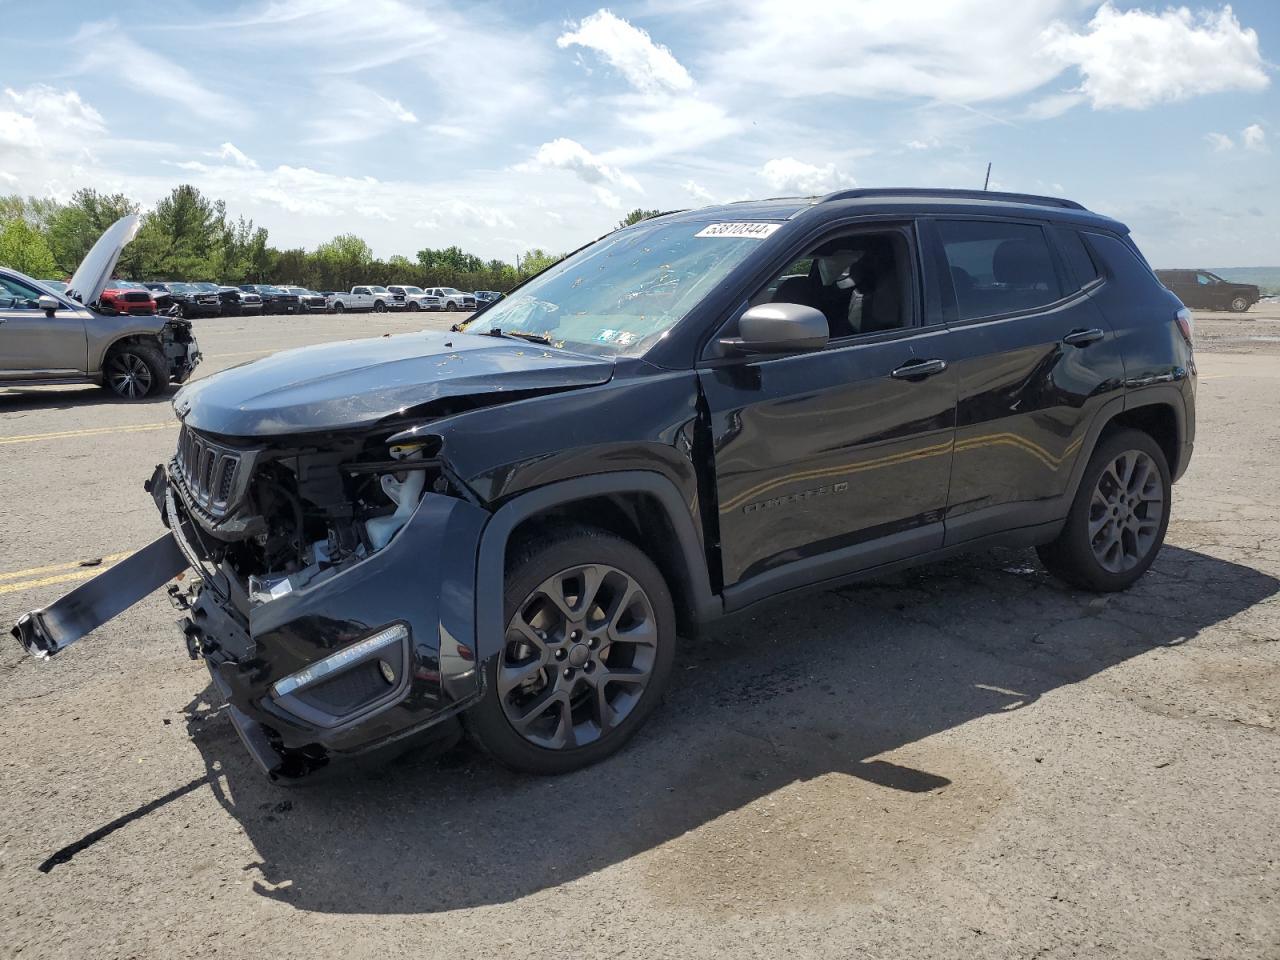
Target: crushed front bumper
[(302, 679)]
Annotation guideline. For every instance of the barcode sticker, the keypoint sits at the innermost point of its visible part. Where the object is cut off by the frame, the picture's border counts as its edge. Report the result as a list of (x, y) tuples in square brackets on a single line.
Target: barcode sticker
[(753, 231)]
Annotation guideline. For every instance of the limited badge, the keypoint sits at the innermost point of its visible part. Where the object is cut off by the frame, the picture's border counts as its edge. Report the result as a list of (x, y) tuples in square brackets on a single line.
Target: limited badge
[(752, 231)]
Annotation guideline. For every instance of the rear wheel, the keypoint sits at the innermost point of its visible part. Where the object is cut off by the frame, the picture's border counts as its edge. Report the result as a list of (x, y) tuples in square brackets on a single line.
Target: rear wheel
[(586, 658), (134, 371), (1240, 304), (1119, 517)]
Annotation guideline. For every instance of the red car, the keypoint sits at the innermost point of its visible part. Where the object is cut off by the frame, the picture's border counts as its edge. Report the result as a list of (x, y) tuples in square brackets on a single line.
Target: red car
[(129, 298)]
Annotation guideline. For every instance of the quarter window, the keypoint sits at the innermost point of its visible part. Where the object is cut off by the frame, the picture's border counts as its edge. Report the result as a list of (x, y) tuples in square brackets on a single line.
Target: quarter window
[(998, 268), (1077, 256)]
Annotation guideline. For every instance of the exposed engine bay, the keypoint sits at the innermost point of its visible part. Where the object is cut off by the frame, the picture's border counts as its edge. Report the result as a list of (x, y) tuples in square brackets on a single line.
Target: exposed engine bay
[(283, 517)]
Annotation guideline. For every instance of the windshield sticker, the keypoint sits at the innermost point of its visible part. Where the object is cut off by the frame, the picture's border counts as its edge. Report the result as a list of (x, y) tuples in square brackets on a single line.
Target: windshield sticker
[(753, 231)]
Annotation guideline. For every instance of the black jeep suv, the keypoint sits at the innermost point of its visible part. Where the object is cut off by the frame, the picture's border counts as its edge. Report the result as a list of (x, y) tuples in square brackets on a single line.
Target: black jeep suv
[(508, 525)]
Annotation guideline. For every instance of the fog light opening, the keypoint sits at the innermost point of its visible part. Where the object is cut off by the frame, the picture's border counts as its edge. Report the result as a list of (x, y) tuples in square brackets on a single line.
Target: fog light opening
[(390, 636)]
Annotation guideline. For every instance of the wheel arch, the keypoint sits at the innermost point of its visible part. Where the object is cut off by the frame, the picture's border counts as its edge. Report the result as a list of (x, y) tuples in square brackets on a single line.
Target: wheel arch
[(642, 507), (1158, 411), (135, 338)]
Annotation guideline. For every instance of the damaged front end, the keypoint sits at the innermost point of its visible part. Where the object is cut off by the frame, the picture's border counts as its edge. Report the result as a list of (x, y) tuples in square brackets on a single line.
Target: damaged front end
[(334, 602), (180, 349)]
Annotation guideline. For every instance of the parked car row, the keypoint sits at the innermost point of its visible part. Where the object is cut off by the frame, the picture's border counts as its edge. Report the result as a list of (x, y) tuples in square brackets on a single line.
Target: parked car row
[(205, 299)]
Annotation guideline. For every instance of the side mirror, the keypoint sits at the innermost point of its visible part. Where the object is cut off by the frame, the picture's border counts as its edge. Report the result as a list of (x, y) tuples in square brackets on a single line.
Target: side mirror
[(779, 328), (48, 304)]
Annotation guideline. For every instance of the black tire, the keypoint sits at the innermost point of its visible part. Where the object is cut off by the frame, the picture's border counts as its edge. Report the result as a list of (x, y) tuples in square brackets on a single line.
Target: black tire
[(135, 371), (1080, 558), (338, 307), (379, 307), (540, 562), (412, 306), (1240, 305), (451, 307)]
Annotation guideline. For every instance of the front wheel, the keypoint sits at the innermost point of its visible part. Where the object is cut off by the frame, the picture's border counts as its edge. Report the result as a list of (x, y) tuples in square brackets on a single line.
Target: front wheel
[(1240, 304), (338, 307), (451, 307), (1119, 516), (587, 654), (135, 371), (413, 306), (379, 307)]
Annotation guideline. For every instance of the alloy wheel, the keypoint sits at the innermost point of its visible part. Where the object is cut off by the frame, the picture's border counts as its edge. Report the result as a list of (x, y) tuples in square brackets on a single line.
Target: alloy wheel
[(1125, 511), (1240, 304), (129, 376), (579, 652)]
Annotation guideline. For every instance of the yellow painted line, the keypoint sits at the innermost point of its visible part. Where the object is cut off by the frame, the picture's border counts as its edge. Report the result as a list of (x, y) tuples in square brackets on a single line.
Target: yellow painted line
[(82, 574), (87, 432), (70, 565)]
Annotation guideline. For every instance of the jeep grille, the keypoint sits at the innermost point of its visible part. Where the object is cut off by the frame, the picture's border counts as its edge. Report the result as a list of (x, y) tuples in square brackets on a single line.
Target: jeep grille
[(208, 471)]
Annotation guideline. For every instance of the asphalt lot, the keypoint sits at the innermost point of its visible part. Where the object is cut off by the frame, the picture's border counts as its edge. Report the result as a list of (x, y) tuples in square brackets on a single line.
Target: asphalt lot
[(964, 760)]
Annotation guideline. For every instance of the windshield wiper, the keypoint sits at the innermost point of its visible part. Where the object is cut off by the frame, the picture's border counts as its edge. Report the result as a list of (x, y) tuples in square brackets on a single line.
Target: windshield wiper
[(521, 335)]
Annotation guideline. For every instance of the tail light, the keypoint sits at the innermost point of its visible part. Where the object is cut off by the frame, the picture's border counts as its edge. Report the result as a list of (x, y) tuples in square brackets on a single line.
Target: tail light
[(1186, 326)]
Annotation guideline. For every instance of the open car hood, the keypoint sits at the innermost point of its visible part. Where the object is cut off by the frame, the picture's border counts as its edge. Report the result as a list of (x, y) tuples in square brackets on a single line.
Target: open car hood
[(100, 262), (357, 383)]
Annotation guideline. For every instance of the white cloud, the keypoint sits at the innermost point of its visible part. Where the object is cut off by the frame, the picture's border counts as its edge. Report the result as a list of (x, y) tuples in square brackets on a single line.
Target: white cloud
[(788, 174), (931, 143), (105, 48), (955, 50), (698, 192), (397, 110), (1220, 142), (229, 151), (1053, 105), (1254, 137), (631, 51), (565, 154), (607, 197), (1134, 59)]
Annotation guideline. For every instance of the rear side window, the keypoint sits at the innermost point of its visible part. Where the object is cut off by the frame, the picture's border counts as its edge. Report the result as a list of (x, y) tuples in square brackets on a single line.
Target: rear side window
[(998, 268), (1079, 262)]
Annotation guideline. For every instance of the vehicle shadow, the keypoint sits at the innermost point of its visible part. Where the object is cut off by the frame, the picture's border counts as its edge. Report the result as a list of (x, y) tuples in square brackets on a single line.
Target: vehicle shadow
[(823, 686), (73, 397)]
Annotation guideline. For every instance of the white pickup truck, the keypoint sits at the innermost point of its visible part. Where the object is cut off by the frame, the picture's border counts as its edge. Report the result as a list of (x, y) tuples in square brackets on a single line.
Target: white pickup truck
[(373, 297)]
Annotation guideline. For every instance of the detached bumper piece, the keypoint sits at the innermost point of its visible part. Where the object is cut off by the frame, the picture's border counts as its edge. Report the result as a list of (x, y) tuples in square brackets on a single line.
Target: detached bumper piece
[(47, 631)]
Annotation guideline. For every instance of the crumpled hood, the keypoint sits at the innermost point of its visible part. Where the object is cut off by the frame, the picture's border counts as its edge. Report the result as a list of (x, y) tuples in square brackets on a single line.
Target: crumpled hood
[(357, 383)]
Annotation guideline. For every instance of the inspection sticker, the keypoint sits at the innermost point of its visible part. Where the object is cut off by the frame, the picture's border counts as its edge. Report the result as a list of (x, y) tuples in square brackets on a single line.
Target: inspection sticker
[(754, 231)]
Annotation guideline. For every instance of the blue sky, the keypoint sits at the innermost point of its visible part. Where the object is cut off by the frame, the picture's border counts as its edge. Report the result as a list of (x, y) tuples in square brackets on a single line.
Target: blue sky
[(502, 126)]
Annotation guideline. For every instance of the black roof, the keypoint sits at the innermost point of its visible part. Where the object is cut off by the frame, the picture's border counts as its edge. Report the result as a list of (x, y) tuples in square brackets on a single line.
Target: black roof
[(915, 200)]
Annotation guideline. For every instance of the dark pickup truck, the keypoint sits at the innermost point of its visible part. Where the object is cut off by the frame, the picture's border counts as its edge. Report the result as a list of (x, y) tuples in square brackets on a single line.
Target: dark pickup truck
[(505, 528), (1202, 290)]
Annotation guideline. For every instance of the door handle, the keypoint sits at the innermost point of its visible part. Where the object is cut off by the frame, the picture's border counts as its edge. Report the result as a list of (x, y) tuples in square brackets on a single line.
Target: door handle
[(919, 369), (1082, 338)]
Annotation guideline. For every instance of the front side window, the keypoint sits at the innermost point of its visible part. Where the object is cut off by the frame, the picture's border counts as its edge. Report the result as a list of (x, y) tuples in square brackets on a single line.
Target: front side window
[(621, 294), (861, 282), (998, 268), (16, 295)]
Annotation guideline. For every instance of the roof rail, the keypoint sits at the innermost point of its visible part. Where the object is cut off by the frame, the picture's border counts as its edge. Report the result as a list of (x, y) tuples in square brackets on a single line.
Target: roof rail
[(996, 195)]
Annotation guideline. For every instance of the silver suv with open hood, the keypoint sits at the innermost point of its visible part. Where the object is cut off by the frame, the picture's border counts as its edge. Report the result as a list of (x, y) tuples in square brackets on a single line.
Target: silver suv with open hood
[(73, 337)]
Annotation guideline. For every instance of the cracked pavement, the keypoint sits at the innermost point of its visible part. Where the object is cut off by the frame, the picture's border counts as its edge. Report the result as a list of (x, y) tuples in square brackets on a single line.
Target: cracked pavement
[(967, 759)]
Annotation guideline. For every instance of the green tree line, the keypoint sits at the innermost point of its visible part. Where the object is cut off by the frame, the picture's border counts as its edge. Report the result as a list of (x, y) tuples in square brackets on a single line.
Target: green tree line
[(189, 236)]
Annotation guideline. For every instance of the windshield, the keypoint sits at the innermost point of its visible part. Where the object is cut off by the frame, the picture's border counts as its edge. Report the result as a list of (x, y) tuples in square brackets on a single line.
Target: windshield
[(624, 292), (378, 289), (206, 286), (411, 289), (183, 287)]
